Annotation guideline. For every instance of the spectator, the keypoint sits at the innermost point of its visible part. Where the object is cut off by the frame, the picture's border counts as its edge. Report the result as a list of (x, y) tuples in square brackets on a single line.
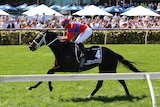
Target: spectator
[(158, 23), (23, 24), (106, 18), (70, 16), (140, 23), (116, 16), (39, 24), (17, 23), (158, 6), (34, 24), (83, 18), (1, 17), (1, 21), (34, 20), (114, 23), (11, 24), (54, 17), (43, 18), (89, 22), (7, 20), (36, 17), (123, 23), (130, 23), (46, 24), (24, 18), (97, 22), (56, 24), (28, 25), (107, 24)]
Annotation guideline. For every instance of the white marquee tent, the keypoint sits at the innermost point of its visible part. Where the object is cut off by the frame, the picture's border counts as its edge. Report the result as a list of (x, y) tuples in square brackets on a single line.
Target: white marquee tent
[(91, 11), (140, 11), (40, 10), (3, 12), (158, 10)]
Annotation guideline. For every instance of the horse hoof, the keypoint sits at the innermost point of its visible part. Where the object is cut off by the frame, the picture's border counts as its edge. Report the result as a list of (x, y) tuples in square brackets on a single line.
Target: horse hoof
[(128, 95), (50, 88), (29, 88), (89, 96)]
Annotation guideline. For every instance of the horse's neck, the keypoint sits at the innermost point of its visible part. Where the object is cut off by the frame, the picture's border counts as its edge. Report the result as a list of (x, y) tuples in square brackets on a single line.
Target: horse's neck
[(60, 47)]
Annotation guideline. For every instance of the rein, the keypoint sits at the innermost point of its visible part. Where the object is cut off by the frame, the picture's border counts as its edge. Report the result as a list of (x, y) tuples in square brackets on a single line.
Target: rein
[(43, 40), (52, 41)]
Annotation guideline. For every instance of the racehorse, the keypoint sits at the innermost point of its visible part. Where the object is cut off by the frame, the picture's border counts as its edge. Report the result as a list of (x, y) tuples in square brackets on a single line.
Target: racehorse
[(67, 58)]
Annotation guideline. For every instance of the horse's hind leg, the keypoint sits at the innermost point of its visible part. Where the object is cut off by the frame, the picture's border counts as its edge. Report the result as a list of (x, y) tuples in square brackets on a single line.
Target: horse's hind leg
[(99, 85), (35, 86), (125, 87)]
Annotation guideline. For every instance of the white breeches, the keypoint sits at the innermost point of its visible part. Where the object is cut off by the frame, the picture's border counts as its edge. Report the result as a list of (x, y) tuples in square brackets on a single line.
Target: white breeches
[(83, 36)]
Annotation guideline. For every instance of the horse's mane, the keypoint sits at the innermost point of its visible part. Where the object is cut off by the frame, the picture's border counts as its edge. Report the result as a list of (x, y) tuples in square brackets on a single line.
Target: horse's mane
[(53, 33), (58, 34)]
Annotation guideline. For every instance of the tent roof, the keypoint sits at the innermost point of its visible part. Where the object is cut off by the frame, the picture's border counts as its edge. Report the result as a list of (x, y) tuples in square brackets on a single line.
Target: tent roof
[(40, 10), (140, 11), (3, 12), (91, 11), (158, 10)]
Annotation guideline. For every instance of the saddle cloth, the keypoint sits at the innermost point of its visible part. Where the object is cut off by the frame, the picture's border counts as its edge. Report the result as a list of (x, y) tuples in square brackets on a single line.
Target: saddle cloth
[(94, 55)]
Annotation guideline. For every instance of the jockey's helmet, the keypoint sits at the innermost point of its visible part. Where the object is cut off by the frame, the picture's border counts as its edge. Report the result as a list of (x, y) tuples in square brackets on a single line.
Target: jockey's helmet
[(65, 21)]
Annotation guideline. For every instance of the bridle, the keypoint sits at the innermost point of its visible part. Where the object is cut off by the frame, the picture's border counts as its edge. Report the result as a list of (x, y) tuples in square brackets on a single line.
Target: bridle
[(43, 40)]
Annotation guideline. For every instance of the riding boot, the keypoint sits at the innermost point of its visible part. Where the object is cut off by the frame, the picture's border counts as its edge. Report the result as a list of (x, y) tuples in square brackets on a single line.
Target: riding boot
[(81, 46)]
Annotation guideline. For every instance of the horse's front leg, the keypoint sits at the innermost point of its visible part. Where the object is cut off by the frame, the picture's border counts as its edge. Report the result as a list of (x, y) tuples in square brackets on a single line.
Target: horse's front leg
[(51, 71), (35, 86)]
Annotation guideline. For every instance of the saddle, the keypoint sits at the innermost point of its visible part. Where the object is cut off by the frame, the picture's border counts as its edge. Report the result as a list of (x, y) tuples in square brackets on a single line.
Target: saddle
[(94, 55)]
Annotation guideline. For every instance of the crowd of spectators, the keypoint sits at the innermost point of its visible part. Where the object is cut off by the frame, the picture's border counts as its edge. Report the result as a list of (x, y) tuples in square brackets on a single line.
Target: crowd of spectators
[(152, 5), (96, 22)]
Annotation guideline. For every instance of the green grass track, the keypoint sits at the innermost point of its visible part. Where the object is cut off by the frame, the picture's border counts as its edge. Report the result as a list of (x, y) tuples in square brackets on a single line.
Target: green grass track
[(16, 60)]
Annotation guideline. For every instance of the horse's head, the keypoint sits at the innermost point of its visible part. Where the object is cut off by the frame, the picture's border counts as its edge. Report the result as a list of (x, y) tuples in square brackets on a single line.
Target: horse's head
[(43, 38)]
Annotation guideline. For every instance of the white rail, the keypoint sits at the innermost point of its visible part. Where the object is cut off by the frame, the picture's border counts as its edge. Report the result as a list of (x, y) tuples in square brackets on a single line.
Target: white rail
[(76, 77)]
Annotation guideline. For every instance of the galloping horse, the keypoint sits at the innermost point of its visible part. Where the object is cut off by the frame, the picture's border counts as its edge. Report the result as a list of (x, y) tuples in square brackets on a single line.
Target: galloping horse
[(67, 58)]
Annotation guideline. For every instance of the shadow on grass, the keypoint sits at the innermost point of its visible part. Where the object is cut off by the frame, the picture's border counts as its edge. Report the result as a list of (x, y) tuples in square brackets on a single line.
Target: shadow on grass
[(106, 99)]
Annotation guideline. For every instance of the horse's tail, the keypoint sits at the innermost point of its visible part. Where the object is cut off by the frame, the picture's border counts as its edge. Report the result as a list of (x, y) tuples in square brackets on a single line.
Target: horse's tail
[(127, 64)]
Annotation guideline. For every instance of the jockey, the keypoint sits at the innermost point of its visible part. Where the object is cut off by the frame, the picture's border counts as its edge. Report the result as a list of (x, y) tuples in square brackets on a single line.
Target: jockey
[(84, 32)]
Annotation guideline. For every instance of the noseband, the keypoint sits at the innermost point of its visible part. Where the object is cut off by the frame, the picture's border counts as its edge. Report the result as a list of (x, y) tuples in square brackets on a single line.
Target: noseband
[(43, 40)]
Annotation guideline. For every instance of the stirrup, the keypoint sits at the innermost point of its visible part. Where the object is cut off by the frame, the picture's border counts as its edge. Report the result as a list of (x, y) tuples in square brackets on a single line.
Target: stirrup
[(81, 64)]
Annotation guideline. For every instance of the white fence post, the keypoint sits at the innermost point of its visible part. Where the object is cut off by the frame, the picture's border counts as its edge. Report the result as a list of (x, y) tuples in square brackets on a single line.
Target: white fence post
[(151, 90), (20, 38), (105, 38), (146, 37)]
